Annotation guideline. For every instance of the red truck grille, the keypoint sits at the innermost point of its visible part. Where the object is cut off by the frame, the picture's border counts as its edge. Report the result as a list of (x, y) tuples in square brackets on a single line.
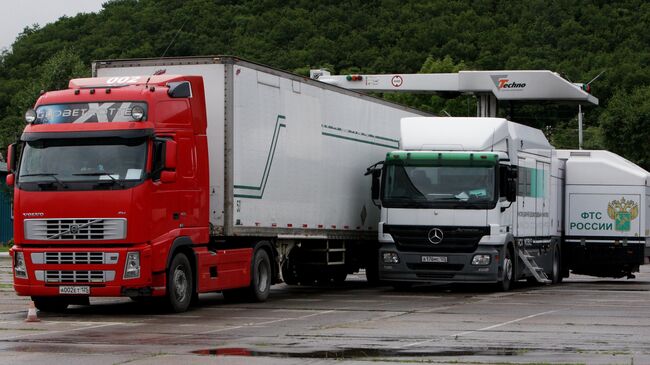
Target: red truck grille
[(78, 276), (75, 229)]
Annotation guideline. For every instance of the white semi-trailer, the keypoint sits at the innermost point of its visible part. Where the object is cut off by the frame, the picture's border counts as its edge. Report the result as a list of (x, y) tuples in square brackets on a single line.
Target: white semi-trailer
[(286, 155), (469, 200), (606, 225)]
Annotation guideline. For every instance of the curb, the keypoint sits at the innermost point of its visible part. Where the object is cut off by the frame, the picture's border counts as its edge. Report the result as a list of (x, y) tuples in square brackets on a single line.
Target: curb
[(4, 254)]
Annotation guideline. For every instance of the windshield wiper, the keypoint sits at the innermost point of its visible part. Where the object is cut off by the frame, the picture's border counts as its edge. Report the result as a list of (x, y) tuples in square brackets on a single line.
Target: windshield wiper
[(109, 174), (51, 174)]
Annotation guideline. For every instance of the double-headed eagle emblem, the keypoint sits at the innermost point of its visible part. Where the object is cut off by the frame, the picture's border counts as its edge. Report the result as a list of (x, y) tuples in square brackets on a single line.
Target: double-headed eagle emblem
[(623, 212)]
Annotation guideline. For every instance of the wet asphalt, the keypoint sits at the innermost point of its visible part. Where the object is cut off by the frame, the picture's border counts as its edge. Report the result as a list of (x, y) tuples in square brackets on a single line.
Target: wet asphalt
[(581, 321)]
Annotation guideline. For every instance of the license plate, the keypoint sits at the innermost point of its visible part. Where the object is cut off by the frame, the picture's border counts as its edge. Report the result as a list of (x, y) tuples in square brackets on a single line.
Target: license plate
[(74, 290), (436, 259)]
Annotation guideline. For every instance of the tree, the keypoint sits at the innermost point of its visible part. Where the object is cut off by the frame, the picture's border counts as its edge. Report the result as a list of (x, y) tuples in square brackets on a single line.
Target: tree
[(625, 123), (53, 75)]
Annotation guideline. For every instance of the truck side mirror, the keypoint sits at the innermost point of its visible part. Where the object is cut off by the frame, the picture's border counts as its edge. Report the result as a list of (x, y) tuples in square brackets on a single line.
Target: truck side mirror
[(508, 182), (513, 172), (376, 185), (375, 190), (11, 158), (170, 154), (511, 194), (11, 179)]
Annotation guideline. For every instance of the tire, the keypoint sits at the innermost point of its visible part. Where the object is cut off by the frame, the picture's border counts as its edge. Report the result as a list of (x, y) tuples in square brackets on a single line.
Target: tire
[(555, 275), (50, 304), (180, 284), (508, 272), (261, 276)]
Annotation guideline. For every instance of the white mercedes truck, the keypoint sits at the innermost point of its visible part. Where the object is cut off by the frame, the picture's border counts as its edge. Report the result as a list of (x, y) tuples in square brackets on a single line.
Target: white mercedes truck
[(469, 200)]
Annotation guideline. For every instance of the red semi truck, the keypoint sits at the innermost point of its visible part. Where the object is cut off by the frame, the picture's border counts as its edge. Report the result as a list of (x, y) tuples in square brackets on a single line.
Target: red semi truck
[(228, 178)]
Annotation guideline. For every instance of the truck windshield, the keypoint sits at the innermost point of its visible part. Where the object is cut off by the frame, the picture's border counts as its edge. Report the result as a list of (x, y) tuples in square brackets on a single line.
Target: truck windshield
[(80, 164), (433, 186)]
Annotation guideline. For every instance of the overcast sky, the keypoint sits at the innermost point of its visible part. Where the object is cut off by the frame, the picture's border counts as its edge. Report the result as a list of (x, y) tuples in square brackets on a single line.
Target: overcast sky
[(17, 14)]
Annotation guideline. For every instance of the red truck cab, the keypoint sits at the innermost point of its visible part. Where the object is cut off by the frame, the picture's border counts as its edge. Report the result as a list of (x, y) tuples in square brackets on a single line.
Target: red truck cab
[(111, 194)]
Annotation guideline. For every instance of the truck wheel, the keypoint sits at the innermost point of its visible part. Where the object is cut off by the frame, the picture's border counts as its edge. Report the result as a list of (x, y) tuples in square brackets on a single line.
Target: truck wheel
[(180, 286), (261, 277), (555, 275), (50, 304), (508, 272)]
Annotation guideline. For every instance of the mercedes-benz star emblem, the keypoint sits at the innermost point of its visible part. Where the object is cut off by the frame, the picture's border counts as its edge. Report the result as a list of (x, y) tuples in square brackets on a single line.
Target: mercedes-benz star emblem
[(435, 235)]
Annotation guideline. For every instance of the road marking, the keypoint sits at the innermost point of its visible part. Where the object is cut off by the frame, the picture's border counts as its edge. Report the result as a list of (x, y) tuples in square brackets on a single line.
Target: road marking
[(359, 301), (61, 331), (485, 328), (303, 300), (505, 323), (264, 323), (406, 296)]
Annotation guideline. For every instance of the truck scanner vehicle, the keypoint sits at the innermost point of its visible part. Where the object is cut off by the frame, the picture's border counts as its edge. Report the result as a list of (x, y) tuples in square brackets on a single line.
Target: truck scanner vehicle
[(607, 224), (168, 178)]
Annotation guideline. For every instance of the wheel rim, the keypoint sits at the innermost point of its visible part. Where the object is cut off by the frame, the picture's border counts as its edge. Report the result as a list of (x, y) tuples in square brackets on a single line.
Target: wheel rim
[(507, 265), (262, 276), (180, 283)]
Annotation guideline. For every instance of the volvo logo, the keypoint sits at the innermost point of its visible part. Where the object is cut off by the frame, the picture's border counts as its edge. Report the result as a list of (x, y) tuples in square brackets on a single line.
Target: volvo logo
[(74, 229), (435, 235)]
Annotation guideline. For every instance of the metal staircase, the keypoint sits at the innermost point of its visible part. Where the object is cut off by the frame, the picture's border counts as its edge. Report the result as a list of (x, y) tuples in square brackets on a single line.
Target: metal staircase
[(530, 263)]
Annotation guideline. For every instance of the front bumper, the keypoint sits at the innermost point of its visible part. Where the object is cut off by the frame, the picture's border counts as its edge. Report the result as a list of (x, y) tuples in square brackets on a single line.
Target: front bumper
[(50, 268), (457, 269)]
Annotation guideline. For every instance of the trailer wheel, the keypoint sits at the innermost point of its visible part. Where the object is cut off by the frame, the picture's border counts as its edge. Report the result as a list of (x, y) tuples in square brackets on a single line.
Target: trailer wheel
[(508, 272), (50, 304), (261, 278), (555, 275), (180, 286)]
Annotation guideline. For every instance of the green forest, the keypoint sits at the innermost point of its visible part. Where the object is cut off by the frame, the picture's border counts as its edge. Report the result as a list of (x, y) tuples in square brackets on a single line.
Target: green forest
[(578, 39)]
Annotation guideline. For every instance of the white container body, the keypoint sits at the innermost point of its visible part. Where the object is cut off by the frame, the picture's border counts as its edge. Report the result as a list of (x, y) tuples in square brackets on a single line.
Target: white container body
[(287, 154)]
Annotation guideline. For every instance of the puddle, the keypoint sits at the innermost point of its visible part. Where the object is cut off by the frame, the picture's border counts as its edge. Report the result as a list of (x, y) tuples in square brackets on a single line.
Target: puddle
[(357, 353)]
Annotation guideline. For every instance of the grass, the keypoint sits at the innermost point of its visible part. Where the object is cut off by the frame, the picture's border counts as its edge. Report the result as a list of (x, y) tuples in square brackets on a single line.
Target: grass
[(4, 248)]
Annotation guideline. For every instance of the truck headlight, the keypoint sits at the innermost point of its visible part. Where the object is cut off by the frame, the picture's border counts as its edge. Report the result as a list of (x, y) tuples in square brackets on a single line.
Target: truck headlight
[(390, 258), (132, 265), (481, 260), (20, 269)]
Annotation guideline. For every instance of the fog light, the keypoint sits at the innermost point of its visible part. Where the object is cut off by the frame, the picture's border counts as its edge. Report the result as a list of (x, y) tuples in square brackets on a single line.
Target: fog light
[(20, 269), (390, 258), (132, 265), (481, 260), (137, 112), (30, 116)]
